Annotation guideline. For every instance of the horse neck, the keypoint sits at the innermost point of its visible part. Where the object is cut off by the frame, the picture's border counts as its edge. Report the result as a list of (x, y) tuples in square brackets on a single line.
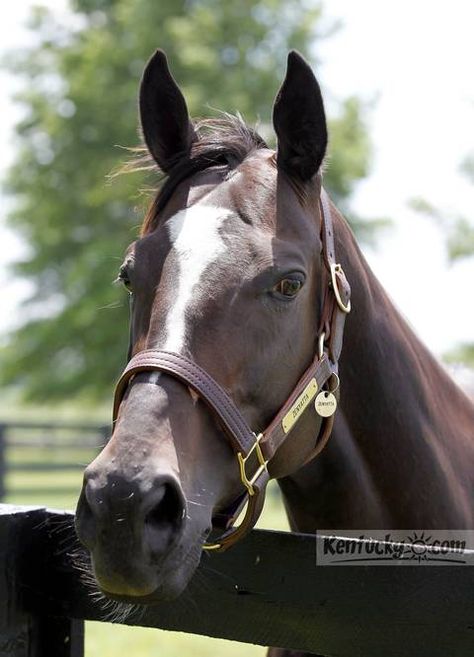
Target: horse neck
[(401, 453)]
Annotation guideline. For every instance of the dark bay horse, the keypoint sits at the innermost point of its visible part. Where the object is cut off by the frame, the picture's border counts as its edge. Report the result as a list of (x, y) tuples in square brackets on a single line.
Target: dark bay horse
[(227, 274)]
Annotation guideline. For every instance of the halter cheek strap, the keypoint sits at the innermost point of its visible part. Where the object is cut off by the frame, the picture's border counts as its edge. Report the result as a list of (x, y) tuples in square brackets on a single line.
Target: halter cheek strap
[(255, 451)]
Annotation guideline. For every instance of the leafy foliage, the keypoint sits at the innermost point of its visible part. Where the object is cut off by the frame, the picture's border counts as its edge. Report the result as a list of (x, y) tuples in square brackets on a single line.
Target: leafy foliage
[(464, 353), (79, 96), (459, 230)]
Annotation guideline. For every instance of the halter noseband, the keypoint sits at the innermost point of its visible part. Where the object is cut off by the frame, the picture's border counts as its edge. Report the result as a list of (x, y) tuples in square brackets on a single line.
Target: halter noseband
[(255, 451)]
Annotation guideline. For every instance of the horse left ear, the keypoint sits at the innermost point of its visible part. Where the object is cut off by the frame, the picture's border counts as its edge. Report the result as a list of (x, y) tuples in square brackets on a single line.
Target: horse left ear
[(300, 121), (164, 117)]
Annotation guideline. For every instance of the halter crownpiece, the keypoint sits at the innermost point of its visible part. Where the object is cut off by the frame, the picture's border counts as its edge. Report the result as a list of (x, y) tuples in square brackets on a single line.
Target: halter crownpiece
[(255, 451)]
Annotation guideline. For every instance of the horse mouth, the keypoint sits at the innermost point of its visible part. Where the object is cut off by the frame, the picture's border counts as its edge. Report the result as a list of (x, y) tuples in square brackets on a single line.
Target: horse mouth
[(161, 589), (152, 599), (151, 583)]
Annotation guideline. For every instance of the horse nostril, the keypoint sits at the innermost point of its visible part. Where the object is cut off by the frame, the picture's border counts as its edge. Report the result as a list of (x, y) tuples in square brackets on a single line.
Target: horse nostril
[(85, 522), (164, 520), (168, 510)]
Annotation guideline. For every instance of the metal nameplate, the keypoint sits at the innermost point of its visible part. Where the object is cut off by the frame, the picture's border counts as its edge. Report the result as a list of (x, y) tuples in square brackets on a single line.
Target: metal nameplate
[(299, 406)]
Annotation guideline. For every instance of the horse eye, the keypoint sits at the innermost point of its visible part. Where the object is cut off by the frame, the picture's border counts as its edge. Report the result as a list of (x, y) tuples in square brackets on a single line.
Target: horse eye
[(288, 287), (124, 277)]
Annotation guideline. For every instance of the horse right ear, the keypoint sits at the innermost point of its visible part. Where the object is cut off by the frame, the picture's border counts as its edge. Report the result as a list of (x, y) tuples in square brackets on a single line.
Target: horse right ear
[(299, 121), (167, 130)]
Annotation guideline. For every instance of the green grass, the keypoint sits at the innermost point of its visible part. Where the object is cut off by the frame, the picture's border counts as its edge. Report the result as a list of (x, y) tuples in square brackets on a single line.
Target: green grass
[(60, 490), (105, 641)]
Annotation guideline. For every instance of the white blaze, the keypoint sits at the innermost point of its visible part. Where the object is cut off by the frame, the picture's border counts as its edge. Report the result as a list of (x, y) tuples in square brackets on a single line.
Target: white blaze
[(194, 234)]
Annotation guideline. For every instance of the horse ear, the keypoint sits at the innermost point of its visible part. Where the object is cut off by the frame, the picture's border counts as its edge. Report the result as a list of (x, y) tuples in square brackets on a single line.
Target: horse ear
[(166, 127), (299, 121)]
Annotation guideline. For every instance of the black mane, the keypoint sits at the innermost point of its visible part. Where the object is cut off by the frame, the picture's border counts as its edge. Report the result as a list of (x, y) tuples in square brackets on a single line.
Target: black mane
[(224, 141)]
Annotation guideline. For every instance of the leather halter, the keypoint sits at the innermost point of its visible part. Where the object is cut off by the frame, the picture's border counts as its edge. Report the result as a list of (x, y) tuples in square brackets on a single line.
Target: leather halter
[(255, 451)]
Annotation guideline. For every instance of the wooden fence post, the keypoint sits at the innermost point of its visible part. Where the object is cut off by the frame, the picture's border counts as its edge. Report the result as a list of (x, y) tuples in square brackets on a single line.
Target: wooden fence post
[(61, 637), (24, 633), (3, 461)]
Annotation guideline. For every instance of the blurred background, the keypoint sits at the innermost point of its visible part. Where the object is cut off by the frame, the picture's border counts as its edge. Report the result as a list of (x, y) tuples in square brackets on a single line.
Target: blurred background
[(397, 82)]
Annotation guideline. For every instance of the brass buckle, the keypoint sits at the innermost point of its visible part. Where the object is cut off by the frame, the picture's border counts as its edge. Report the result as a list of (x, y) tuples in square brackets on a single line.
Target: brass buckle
[(322, 339), (248, 483), (337, 269), (211, 546)]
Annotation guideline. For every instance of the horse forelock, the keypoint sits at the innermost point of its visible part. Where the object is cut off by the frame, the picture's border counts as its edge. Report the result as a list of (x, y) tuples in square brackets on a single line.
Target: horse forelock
[(223, 142)]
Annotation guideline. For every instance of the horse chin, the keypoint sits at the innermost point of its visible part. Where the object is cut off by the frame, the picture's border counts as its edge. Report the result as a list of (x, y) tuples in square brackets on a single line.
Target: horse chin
[(147, 584), (167, 591)]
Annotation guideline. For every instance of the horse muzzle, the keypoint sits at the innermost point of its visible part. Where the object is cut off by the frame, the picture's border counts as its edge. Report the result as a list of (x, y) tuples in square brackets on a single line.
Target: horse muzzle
[(132, 527)]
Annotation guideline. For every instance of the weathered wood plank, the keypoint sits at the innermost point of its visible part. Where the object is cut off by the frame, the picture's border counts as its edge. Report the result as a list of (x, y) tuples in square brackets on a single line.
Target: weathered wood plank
[(58, 637), (25, 633), (3, 463), (31, 466), (59, 444), (268, 590), (56, 425)]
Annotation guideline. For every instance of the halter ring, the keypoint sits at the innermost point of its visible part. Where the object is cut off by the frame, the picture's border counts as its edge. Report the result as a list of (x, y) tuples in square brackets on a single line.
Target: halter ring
[(337, 269)]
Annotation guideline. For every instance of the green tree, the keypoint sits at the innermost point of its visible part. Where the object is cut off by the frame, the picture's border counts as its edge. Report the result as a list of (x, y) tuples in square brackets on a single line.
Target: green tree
[(79, 95)]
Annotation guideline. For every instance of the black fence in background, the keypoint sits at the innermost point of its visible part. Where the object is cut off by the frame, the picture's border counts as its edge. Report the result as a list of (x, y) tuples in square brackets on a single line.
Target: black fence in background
[(42, 447)]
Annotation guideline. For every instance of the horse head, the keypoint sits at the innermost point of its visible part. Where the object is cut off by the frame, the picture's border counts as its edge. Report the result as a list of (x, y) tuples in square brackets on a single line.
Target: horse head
[(226, 274)]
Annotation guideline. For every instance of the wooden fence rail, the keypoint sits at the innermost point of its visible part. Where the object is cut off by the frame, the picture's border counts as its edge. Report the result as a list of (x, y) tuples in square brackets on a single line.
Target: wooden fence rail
[(266, 590), (49, 439)]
